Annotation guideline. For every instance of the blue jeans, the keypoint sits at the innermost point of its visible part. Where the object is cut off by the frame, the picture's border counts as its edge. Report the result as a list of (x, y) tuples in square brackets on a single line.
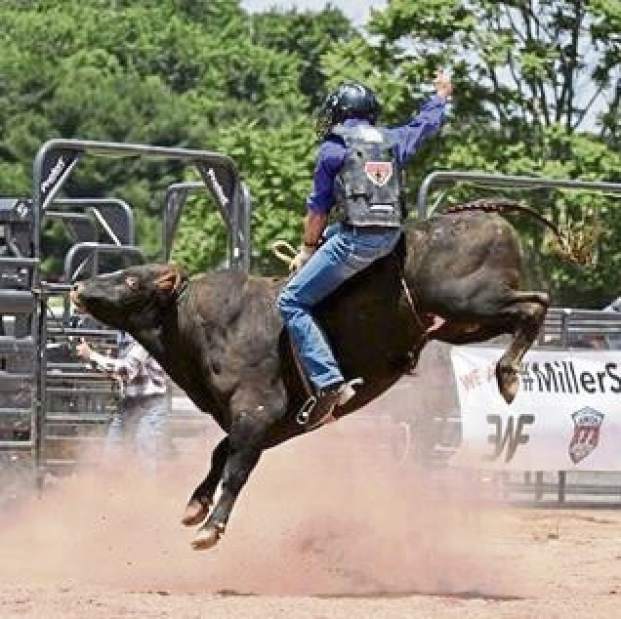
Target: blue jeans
[(345, 252), (141, 427)]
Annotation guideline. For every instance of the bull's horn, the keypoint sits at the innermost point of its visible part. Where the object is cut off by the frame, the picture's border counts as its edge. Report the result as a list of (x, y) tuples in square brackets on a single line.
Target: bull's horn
[(171, 279)]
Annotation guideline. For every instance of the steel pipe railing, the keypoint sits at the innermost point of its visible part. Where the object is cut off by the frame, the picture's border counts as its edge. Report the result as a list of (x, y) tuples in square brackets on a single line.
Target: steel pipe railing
[(498, 180)]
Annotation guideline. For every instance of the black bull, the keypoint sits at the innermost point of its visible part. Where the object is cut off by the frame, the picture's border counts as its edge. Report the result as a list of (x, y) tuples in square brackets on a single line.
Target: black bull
[(220, 338)]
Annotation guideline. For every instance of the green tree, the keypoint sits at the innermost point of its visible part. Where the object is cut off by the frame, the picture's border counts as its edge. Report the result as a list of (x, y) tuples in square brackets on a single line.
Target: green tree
[(307, 35), (164, 72), (520, 107), (606, 31), (277, 164)]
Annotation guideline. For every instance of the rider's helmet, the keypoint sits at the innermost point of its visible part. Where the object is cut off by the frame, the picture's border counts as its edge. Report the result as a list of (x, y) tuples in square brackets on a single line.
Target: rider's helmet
[(349, 100)]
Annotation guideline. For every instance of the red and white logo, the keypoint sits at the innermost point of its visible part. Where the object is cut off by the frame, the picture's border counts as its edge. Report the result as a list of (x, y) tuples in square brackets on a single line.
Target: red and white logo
[(587, 423), (379, 172)]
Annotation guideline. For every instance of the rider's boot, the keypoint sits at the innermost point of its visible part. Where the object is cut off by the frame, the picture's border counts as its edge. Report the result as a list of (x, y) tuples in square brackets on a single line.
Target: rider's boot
[(335, 395), (328, 399), (318, 409)]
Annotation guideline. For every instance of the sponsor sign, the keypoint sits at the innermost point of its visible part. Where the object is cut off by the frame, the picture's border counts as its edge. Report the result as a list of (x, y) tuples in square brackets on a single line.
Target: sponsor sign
[(566, 415), (220, 182), (56, 167)]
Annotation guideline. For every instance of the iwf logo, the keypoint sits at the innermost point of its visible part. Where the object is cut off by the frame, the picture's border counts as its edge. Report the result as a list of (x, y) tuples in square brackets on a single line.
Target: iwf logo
[(587, 422)]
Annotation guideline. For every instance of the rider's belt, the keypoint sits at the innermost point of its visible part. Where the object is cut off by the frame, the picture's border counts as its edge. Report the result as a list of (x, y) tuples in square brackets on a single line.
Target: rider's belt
[(364, 229)]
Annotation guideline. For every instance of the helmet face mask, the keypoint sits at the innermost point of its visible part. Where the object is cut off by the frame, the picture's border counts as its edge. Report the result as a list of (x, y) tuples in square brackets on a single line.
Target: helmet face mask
[(349, 100)]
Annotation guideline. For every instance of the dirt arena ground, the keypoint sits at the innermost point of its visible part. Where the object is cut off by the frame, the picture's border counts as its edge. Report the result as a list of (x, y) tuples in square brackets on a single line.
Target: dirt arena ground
[(328, 527)]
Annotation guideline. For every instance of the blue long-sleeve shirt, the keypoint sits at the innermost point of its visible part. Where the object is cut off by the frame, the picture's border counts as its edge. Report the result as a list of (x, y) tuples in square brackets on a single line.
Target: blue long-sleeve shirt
[(408, 139)]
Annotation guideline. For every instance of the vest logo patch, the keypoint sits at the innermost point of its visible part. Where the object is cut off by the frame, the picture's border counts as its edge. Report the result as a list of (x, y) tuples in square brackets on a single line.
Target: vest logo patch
[(378, 172)]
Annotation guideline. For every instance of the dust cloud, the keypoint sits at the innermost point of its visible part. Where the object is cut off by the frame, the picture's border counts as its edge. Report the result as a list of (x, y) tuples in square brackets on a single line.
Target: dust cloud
[(326, 514)]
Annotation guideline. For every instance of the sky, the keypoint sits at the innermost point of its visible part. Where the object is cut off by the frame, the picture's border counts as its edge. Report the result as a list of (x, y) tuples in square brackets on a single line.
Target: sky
[(356, 10)]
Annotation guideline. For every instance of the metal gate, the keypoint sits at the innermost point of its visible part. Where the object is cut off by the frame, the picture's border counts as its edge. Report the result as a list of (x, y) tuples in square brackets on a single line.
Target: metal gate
[(79, 399), (237, 222), (447, 178), (45, 380)]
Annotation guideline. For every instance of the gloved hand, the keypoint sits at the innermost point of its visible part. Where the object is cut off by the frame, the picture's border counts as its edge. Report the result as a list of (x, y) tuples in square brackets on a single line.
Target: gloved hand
[(301, 258), (442, 84)]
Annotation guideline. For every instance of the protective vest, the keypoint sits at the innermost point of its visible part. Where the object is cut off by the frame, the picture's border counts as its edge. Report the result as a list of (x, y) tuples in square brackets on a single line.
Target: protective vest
[(368, 187)]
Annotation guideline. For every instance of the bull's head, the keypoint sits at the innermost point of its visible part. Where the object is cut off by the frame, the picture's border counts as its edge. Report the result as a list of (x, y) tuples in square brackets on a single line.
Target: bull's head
[(133, 299)]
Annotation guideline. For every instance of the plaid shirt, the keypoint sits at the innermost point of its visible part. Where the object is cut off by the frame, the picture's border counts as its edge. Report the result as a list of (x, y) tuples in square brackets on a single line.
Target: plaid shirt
[(139, 373)]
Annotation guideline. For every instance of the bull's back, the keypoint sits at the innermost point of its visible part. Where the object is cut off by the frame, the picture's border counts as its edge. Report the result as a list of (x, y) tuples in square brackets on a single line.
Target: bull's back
[(459, 247)]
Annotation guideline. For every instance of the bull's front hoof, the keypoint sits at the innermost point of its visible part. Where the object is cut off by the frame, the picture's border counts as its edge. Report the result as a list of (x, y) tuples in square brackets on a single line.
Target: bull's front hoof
[(508, 383), (207, 537), (195, 512)]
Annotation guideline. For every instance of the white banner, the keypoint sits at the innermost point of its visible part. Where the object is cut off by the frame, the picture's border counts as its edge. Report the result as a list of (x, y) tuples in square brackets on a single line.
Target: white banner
[(566, 415)]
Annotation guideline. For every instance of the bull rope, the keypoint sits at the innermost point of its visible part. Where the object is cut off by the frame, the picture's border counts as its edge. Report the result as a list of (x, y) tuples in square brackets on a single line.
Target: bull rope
[(409, 296)]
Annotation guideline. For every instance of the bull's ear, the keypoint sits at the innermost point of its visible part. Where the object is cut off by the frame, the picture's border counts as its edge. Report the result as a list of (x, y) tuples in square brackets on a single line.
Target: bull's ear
[(171, 279)]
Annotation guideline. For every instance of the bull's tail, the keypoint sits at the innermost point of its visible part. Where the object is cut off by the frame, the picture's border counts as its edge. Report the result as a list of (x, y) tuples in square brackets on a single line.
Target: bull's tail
[(577, 249)]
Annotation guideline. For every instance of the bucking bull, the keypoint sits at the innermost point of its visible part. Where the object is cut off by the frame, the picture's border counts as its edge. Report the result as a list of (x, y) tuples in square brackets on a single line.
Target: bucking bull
[(220, 338)]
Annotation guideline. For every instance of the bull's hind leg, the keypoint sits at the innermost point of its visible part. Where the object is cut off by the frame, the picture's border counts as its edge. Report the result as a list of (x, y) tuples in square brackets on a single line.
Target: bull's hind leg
[(527, 310), (200, 502), (493, 313)]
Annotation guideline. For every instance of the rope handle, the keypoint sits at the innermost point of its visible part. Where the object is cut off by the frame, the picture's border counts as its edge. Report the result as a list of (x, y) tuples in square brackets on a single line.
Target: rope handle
[(284, 251)]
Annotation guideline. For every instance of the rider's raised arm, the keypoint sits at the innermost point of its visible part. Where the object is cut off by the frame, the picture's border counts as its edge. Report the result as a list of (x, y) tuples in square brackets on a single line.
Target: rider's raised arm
[(411, 136), (426, 123)]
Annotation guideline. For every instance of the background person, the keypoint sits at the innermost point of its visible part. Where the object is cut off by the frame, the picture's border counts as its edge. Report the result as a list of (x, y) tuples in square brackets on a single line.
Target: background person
[(142, 422)]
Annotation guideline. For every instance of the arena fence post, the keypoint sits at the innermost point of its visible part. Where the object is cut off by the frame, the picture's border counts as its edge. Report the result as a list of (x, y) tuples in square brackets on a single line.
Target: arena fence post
[(237, 220), (562, 486), (538, 485)]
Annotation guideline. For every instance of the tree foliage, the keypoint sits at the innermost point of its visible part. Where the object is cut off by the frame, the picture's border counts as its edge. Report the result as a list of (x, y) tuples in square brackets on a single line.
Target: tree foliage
[(307, 35), (538, 92), (164, 72)]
